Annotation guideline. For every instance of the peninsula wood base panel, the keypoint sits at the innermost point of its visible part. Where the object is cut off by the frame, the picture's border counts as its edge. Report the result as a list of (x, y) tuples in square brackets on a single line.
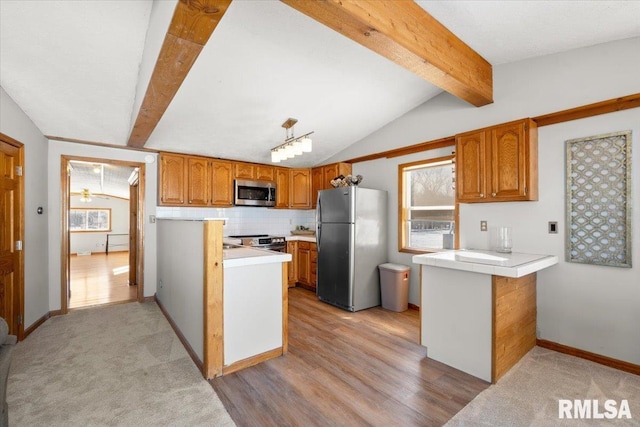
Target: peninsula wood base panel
[(481, 324)]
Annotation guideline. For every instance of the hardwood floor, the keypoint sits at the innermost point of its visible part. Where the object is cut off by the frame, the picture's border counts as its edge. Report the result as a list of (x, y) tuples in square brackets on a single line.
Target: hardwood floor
[(100, 279), (343, 368)]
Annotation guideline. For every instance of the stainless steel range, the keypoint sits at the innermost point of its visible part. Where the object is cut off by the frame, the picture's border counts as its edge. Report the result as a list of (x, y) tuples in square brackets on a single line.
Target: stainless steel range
[(263, 241)]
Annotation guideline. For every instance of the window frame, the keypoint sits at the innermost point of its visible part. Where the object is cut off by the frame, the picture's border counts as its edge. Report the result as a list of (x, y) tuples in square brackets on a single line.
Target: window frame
[(86, 210), (402, 212)]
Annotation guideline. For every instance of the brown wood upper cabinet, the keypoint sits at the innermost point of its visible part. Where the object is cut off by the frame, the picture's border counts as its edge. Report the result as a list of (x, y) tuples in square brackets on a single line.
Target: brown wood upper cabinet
[(186, 180), (198, 181), (253, 171), (498, 164), (244, 170), (300, 189), (194, 181), (173, 179), (321, 178), (264, 173), (221, 183), (283, 176)]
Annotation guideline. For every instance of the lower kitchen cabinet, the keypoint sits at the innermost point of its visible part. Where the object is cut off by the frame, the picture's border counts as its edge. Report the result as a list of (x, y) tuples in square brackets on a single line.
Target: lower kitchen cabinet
[(307, 265), (292, 248), (313, 269)]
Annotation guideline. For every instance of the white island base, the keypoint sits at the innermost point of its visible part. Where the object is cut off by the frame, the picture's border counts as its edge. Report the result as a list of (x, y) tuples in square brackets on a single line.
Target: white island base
[(474, 319)]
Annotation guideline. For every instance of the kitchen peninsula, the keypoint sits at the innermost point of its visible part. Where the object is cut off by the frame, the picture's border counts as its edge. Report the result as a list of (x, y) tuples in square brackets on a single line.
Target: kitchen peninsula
[(228, 306), (478, 308)]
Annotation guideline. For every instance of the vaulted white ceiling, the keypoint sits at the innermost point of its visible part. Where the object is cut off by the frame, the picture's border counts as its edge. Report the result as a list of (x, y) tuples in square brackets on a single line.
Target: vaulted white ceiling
[(74, 68)]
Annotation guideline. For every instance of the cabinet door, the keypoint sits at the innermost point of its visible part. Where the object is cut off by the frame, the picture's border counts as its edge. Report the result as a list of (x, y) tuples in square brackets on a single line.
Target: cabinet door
[(471, 166), (221, 183), (264, 172), (317, 184), (244, 171), (173, 179), (292, 248), (313, 266), (282, 187), (304, 265), (300, 189), (198, 181), (509, 161), (342, 169)]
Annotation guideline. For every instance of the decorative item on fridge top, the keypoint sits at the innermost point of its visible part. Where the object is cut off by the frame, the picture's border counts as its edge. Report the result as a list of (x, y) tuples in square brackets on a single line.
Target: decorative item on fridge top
[(349, 180)]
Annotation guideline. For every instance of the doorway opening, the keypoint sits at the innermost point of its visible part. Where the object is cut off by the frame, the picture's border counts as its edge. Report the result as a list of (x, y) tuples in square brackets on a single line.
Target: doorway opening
[(102, 257)]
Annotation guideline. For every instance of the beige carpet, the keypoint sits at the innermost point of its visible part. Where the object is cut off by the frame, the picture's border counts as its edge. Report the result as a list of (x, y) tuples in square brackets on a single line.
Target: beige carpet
[(528, 394), (119, 365)]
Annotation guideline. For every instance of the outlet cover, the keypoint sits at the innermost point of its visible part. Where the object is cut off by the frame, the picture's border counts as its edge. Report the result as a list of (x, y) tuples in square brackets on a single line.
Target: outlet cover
[(483, 225), (553, 227)]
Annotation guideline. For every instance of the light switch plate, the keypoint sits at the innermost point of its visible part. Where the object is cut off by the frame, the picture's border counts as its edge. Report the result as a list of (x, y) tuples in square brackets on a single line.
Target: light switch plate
[(483, 225), (553, 227)]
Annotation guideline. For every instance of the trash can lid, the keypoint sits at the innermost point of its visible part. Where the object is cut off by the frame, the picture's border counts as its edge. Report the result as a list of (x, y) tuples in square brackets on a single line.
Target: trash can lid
[(394, 267)]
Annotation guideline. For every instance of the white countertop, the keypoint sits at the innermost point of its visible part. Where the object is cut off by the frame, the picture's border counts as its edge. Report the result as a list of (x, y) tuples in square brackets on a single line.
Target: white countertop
[(488, 262), (301, 238), (239, 257)]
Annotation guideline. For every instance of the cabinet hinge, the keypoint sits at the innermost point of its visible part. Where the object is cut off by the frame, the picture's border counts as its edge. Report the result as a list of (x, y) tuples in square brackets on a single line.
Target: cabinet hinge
[(19, 319), (19, 170), (525, 191), (18, 245)]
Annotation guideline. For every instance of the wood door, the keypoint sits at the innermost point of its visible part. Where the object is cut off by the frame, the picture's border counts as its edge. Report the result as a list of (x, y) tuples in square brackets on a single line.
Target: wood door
[(282, 188), (300, 188), (304, 263), (173, 179), (198, 181), (11, 211), (134, 198), (292, 248), (471, 167), (508, 161), (244, 171), (313, 265), (221, 183), (264, 172), (317, 184)]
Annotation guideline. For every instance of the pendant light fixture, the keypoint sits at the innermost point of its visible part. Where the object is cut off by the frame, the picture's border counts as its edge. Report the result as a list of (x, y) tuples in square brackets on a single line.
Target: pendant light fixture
[(292, 146), (85, 195)]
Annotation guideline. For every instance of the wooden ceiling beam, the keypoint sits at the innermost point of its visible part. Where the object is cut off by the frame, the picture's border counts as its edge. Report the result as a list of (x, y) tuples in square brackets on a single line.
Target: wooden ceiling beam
[(192, 24), (400, 30)]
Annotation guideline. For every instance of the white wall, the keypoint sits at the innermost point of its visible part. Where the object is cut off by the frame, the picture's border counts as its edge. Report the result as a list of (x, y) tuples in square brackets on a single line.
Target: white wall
[(95, 242), (585, 306), (589, 307), (15, 123), (56, 150)]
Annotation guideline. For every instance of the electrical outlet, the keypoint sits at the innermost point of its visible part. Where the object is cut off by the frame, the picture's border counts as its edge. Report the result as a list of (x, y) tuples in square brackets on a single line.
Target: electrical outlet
[(152, 219), (483, 225)]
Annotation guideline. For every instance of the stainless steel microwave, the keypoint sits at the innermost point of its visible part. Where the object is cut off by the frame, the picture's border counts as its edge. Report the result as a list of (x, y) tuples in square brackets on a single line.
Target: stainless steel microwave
[(254, 193)]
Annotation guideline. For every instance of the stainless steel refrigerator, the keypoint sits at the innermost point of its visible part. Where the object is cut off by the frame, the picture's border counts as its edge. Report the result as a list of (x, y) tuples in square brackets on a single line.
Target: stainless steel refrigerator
[(352, 241)]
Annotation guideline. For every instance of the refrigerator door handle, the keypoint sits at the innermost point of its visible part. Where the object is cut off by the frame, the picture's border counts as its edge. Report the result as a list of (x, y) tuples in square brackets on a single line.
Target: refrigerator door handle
[(318, 219)]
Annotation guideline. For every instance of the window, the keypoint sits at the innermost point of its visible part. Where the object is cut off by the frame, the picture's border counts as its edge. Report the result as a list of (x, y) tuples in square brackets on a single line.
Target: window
[(83, 219), (428, 209)]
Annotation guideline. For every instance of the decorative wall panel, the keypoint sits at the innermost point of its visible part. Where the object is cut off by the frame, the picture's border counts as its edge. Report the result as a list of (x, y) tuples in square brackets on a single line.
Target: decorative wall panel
[(599, 200)]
